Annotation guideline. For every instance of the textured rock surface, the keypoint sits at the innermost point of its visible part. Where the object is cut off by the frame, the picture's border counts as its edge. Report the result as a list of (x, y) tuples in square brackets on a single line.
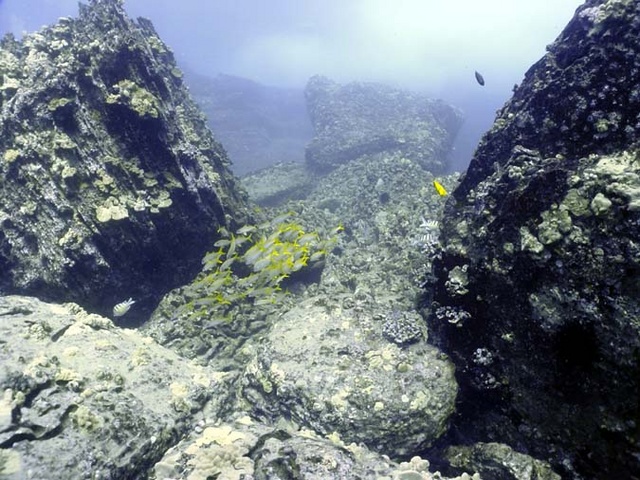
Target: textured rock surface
[(82, 398), (112, 186), (537, 293), (366, 118), (331, 370), (242, 448), (497, 461)]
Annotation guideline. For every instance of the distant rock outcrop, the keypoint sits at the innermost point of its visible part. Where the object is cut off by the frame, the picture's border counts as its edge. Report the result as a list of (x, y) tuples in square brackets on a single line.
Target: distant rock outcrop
[(538, 293), (359, 119), (258, 125), (112, 185)]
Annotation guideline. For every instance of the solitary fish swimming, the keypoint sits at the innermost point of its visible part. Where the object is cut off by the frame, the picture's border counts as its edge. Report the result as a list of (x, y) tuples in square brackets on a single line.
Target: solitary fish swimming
[(123, 307), (439, 188), (479, 78)]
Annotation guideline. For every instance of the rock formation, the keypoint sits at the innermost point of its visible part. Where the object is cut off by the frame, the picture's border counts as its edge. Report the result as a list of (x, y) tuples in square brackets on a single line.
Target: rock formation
[(359, 119), (81, 396), (537, 299), (112, 185)]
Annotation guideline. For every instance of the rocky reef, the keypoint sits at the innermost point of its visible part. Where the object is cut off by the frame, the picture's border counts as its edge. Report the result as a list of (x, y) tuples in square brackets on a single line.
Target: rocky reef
[(359, 119), (112, 185), (537, 294), (343, 353), (293, 348), (83, 398), (296, 361)]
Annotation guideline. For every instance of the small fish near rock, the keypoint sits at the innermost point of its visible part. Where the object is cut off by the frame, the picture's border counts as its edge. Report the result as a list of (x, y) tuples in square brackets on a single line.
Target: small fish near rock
[(479, 78), (440, 188), (123, 307)]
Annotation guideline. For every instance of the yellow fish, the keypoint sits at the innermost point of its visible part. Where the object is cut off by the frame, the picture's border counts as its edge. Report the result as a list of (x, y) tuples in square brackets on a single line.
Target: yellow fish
[(439, 188)]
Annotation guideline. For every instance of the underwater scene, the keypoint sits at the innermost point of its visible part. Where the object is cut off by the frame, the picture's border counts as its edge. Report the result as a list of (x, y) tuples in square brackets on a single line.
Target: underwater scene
[(207, 276)]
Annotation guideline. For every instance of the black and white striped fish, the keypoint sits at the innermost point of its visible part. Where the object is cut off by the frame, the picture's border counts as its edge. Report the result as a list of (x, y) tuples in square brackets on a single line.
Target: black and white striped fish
[(123, 307)]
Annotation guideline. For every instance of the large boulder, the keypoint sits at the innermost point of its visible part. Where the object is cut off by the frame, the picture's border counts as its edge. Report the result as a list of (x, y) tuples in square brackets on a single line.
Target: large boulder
[(331, 369), (359, 119), (80, 397), (537, 299), (112, 185)]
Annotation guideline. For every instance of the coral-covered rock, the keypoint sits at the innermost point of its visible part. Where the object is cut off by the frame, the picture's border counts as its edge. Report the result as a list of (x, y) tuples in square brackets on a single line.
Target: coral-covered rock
[(79, 395), (494, 460), (394, 400), (537, 299), (368, 118), (111, 184)]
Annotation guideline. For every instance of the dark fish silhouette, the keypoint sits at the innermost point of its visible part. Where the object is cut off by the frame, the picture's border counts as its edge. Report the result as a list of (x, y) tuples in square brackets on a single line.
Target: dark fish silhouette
[(479, 79)]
